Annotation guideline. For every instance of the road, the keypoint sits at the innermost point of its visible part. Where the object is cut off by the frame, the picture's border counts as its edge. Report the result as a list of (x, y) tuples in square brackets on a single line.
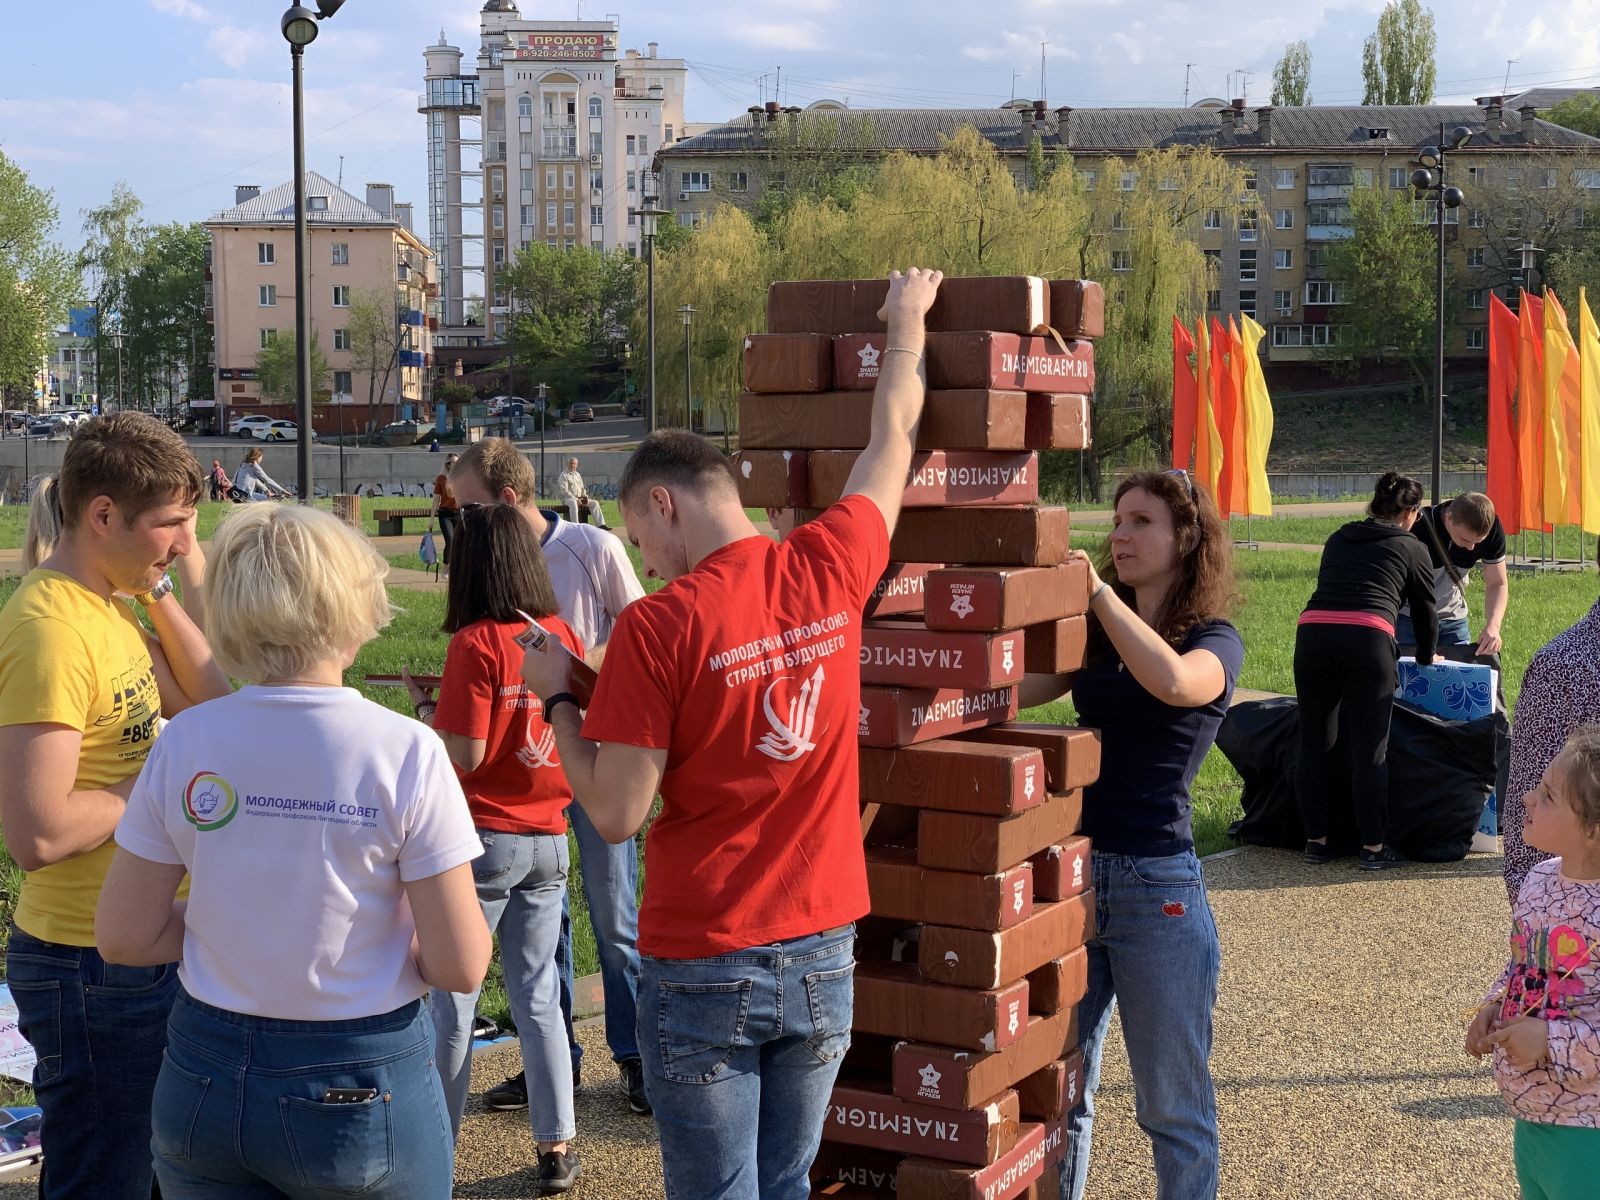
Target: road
[(603, 432)]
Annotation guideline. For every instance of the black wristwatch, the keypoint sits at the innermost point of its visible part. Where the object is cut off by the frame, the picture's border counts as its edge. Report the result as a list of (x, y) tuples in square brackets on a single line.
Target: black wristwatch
[(560, 698)]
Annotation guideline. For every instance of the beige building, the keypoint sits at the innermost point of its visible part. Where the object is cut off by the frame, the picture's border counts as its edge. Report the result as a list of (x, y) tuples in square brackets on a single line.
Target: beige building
[(355, 249), (549, 140)]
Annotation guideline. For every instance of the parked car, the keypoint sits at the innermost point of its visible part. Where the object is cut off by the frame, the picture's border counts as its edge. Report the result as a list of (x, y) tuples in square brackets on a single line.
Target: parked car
[(399, 433), (581, 412), (243, 427), (632, 406), (279, 431), (47, 428)]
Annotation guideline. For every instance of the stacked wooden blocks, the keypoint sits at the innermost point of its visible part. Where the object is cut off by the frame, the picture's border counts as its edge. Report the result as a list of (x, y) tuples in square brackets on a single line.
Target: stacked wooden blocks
[(964, 1063)]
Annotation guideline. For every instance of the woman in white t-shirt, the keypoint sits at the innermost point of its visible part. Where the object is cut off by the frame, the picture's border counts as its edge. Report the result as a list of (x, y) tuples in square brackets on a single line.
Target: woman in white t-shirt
[(327, 844)]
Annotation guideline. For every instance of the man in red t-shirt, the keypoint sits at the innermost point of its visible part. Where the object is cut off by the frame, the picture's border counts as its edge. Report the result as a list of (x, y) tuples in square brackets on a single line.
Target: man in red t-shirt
[(735, 692)]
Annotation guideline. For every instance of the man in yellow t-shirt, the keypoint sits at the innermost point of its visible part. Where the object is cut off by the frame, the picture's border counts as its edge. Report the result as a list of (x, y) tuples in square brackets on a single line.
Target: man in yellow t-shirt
[(82, 687)]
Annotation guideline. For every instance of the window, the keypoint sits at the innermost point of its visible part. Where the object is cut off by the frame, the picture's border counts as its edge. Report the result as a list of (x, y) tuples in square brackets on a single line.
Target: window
[(597, 142), (1121, 260), (266, 254), (632, 144), (1283, 260), (1475, 338), (1545, 177), (549, 179), (1283, 301), (1251, 183), (527, 179), (1316, 257), (1129, 178), (1283, 219), (316, 204), (341, 295), (1323, 291), (597, 214), (549, 214), (1214, 301), (1247, 265), (1213, 261), (342, 383), (595, 108), (1247, 225), (1089, 178), (630, 217), (1475, 256), (1514, 178), (738, 181), (1213, 218), (341, 254), (1426, 212), (1283, 178), (497, 181), (1477, 297), (499, 253), (1477, 174), (268, 337), (1586, 177), (695, 181), (569, 178), (1474, 218), (551, 242), (569, 245), (341, 339), (267, 295), (527, 213), (499, 216), (525, 106), (1247, 302), (569, 214), (1399, 177), (1305, 335), (1332, 212), (644, 144), (1363, 176), (1117, 220), (1168, 184), (597, 180), (633, 181)]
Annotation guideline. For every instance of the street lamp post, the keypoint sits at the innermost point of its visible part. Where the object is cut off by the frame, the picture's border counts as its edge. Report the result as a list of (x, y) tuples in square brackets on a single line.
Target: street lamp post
[(116, 340), (299, 26), (544, 406), (687, 312), (648, 215), (1430, 178)]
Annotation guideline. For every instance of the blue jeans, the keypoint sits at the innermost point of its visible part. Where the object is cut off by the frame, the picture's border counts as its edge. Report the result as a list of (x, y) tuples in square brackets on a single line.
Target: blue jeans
[(1453, 631), (611, 890), (240, 1114), (521, 881), (740, 1052), (1156, 954), (98, 1031)]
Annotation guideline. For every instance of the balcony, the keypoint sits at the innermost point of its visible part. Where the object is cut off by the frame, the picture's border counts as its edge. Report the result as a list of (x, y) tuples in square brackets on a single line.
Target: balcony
[(1327, 191), (559, 148), (1328, 233)]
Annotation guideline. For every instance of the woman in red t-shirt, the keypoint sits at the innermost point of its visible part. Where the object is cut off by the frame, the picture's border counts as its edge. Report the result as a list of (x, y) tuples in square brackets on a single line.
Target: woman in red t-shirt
[(445, 506), (494, 730)]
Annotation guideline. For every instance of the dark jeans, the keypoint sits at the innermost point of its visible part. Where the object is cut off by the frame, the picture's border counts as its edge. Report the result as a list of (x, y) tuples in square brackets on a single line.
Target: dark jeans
[(1344, 679), (99, 1031), (449, 521)]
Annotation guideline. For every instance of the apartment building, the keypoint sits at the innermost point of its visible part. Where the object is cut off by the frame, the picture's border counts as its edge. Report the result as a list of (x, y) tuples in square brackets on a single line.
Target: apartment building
[(549, 140), (1301, 165), (355, 248)]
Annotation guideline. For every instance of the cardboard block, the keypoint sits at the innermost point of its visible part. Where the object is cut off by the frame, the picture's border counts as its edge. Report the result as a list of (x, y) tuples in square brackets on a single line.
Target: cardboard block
[(1061, 872), (1077, 308), (894, 716), (928, 1179), (938, 478), (772, 478), (1071, 753), (1011, 304), (989, 845), (957, 776), (908, 654), (1060, 983), (900, 591), (1058, 421), (901, 890), (983, 959), (876, 1117), (891, 999), (973, 359), (1005, 597), (953, 420), (1056, 647), (788, 362), (1022, 537), (950, 1078)]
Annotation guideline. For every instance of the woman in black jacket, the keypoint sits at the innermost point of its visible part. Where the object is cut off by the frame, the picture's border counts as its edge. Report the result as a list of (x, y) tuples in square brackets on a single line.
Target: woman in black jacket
[(1344, 663)]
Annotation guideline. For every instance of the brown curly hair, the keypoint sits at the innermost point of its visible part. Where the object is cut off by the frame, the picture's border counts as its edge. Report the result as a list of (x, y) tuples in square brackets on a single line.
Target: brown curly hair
[(1205, 588)]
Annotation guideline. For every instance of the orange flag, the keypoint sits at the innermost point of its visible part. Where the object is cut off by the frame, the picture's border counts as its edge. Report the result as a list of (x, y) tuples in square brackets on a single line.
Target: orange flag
[(1207, 441), (1185, 394), (1530, 411), (1226, 406)]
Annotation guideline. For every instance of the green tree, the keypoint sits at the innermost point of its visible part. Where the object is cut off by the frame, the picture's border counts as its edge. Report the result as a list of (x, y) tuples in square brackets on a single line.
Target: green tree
[(814, 156), (372, 332), (1291, 78), (36, 280), (1580, 112), (275, 369), (1386, 275), (570, 312), (113, 246), (1397, 60), (164, 312)]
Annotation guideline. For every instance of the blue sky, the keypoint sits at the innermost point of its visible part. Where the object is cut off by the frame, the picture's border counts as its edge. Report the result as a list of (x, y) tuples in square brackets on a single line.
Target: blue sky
[(183, 99)]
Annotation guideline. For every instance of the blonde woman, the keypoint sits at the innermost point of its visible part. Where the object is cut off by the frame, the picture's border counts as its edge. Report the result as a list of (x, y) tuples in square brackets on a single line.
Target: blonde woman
[(327, 843)]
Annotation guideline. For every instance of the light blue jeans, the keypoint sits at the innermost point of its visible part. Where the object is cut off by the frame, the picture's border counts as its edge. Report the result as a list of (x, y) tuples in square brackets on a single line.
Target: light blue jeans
[(1453, 631), (611, 890), (1156, 955), (740, 1053), (521, 880)]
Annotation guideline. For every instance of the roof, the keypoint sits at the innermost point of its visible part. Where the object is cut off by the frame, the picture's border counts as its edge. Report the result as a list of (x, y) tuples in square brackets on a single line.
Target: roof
[(276, 207), (1128, 130), (1544, 98)]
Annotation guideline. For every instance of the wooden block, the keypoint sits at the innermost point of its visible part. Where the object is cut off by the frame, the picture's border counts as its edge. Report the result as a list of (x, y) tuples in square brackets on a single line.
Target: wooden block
[(1077, 308), (788, 362), (900, 591), (892, 716), (1055, 647), (958, 420), (974, 360), (901, 890), (1071, 753), (1052, 1093), (970, 777), (1005, 597), (1061, 872), (948, 1078), (908, 654), (868, 1116), (989, 959), (989, 845), (1010, 304), (772, 478), (1058, 421), (891, 999), (853, 1171), (928, 1179), (938, 478), (1021, 537), (1060, 983)]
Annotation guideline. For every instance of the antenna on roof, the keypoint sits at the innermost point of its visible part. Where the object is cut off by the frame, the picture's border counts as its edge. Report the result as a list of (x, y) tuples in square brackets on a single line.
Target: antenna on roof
[(1042, 94), (341, 170), (1506, 86), (1187, 67), (1244, 83)]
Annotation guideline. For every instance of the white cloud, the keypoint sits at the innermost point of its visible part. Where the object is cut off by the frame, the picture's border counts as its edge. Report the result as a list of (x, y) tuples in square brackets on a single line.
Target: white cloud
[(793, 35), (234, 47), (187, 9)]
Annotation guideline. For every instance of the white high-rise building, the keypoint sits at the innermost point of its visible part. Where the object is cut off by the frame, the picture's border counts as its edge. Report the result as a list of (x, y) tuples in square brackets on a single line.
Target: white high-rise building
[(550, 140)]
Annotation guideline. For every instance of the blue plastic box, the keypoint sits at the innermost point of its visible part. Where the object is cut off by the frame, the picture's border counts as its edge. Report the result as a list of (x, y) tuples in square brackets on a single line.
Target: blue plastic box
[(1454, 692)]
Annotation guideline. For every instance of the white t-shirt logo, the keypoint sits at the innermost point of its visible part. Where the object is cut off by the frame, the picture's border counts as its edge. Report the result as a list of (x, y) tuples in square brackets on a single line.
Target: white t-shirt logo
[(540, 752), (789, 737)]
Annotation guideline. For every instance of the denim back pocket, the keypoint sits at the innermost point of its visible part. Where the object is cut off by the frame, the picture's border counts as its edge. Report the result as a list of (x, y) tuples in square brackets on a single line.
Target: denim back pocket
[(343, 1149), (831, 995), (700, 1026), (175, 1110)]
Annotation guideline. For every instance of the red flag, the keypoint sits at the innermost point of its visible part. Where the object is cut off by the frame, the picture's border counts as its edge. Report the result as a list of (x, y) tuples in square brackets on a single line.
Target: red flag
[(1185, 396), (1226, 398), (1504, 344), (1530, 413)]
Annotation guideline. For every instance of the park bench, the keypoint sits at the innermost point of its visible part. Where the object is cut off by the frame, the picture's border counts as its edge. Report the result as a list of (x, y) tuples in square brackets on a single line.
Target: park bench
[(392, 521)]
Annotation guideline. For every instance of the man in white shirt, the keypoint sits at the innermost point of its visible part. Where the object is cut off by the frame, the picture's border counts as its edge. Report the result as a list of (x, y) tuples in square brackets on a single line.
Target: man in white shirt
[(594, 582), (575, 493)]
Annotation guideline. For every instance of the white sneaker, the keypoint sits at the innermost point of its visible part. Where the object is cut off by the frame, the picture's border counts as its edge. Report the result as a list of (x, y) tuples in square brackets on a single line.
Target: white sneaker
[(1485, 843)]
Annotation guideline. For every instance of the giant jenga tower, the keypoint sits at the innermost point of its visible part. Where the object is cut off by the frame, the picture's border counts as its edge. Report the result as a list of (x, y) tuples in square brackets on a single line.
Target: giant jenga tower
[(964, 1060)]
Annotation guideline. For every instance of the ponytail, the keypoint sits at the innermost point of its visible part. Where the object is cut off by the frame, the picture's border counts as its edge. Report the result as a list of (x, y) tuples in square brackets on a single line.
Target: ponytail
[(44, 523), (1394, 496)]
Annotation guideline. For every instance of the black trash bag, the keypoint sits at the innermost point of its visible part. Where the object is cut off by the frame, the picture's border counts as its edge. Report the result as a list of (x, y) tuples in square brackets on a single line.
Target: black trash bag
[(1440, 775)]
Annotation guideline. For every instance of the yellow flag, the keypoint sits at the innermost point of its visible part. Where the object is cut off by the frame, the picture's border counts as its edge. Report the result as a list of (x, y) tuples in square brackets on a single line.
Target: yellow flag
[(1257, 407), (1589, 412), (1557, 344), (1207, 435)]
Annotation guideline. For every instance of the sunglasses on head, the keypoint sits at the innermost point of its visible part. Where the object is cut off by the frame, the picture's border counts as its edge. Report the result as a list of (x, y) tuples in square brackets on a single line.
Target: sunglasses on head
[(1194, 493)]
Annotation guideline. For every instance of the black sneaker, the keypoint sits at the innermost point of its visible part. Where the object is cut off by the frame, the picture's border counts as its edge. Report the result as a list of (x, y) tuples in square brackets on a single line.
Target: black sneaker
[(1318, 854), (632, 1071), (510, 1096), (557, 1172), (1381, 860)]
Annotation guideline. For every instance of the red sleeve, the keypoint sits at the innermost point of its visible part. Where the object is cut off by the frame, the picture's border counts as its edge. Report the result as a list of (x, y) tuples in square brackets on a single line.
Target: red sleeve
[(850, 540), (438, 485), (637, 694), (471, 679)]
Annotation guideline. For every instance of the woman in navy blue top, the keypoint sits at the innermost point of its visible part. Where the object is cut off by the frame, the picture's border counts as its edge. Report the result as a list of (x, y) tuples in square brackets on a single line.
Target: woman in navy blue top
[(1161, 667)]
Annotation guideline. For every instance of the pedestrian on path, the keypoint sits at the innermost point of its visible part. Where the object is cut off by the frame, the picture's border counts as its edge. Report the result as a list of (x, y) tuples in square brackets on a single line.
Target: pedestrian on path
[(755, 873), (1541, 1020), (446, 507), (1344, 664), (1161, 667)]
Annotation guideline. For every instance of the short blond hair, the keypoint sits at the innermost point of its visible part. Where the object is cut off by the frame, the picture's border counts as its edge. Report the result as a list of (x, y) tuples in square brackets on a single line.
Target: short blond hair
[(288, 587), (498, 464)]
